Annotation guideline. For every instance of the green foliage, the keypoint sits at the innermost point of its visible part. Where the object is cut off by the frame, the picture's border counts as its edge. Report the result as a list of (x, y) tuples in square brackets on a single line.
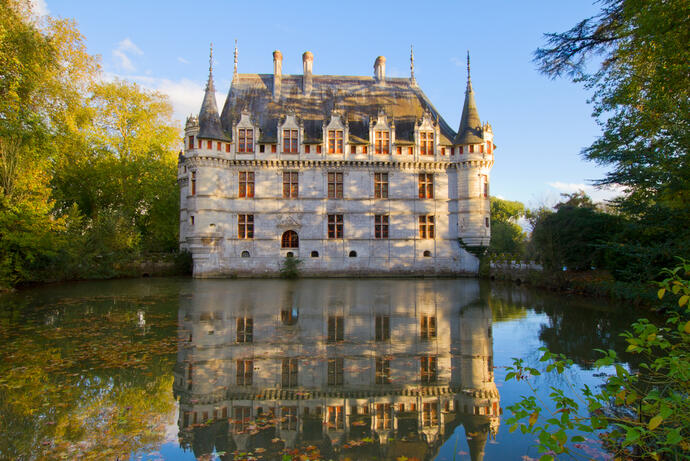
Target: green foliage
[(289, 268), (643, 413), (506, 235), (87, 168), (641, 98), (574, 236)]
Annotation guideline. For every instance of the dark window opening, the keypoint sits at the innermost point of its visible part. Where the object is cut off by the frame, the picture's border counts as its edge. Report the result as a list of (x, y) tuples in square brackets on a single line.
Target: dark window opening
[(353, 254)]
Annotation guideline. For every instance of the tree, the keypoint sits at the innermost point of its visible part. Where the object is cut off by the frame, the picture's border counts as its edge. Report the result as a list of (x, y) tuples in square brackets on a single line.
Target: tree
[(506, 235), (642, 103)]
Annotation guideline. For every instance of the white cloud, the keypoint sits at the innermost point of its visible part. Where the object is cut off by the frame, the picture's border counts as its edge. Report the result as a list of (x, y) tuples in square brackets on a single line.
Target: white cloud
[(597, 194), (457, 61), (123, 51), (39, 8), (185, 95), (182, 60)]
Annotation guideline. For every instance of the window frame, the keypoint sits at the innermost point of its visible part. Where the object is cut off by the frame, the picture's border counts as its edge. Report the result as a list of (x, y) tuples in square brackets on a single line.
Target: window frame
[(382, 142), (245, 140), (245, 226), (289, 372), (334, 180), (245, 330), (336, 329), (427, 227), (383, 370), (290, 144), (290, 184), (381, 185), (335, 141), (426, 143), (425, 182), (335, 226), (244, 373), (428, 369), (245, 184), (381, 226), (336, 373)]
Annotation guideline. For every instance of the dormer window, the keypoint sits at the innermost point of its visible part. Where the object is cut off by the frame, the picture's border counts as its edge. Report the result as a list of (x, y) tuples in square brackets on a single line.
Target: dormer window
[(335, 141), (382, 142), (290, 141), (246, 140), (426, 143), (191, 142)]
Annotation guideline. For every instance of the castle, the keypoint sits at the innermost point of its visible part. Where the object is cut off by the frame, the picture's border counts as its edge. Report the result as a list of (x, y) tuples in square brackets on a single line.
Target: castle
[(351, 175), (358, 369)]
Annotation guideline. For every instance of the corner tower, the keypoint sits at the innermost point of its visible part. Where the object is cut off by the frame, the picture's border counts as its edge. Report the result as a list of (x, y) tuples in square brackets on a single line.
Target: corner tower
[(474, 144)]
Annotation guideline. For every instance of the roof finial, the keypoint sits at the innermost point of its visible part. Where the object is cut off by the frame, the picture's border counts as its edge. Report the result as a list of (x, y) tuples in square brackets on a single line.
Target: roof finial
[(468, 66), (412, 64), (210, 60), (234, 72)]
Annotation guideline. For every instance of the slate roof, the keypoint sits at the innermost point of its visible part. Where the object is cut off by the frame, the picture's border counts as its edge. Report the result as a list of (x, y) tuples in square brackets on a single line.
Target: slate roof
[(470, 129), (358, 99), (209, 120)]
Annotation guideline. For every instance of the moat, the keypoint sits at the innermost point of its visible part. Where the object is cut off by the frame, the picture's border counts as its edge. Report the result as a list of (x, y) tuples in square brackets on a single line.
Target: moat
[(185, 369)]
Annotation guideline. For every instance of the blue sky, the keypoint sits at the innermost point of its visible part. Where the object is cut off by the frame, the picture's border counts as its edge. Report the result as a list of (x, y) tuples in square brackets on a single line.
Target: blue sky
[(540, 125)]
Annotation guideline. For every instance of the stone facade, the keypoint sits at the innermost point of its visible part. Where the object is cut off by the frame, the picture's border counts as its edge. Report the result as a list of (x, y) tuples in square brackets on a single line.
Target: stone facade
[(352, 175), (336, 388)]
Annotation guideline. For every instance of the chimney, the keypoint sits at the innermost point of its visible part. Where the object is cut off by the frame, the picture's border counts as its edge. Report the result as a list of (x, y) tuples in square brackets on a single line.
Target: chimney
[(307, 63), (277, 73), (380, 69)]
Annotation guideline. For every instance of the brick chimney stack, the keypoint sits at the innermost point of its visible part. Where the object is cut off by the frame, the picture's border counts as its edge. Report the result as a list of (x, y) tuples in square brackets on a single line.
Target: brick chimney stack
[(307, 62), (277, 73)]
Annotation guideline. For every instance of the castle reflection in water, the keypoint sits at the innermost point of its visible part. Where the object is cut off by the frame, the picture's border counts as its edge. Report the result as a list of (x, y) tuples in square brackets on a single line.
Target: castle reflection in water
[(356, 368)]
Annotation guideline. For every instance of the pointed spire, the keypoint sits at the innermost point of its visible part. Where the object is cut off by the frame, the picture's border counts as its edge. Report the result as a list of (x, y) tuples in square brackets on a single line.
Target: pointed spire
[(470, 130), (234, 71), (412, 79), (209, 120)]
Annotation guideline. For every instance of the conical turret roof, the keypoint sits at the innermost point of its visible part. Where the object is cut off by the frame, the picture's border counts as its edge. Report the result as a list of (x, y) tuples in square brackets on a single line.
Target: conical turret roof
[(209, 119), (470, 130)]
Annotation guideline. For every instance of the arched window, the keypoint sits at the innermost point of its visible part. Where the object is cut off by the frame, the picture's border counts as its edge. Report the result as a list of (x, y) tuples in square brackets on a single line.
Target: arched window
[(290, 254), (427, 253), (353, 254), (314, 254), (245, 254), (290, 239)]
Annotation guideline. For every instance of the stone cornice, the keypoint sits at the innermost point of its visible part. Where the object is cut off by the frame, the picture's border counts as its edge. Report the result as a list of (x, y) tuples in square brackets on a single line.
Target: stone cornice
[(217, 162)]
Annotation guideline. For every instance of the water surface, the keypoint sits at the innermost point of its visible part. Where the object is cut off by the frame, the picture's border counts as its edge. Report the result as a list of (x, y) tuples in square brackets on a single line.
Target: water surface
[(259, 369)]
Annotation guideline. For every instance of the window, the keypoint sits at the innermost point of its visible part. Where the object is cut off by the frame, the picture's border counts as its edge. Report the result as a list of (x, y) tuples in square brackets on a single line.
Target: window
[(485, 186), (227, 147), (307, 149), (289, 240), (191, 220), (426, 227), (426, 185), (288, 420), (218, 144), (383, 370), (290, 141), (428, 327), (428, 369), (314, 254), (318, 149), (409, 150), (426, 143), (245, 372), (245, 329), (383, 416), (380, 185), (398, 150), (486, 222), (429, 414), (382, 142), (193, 182), (460, 150), (273, 148), (427, 253), (245, 254), (353, 149), (290, 184), (335, 417), (209, 145), (246, 184), (335, 226), (352, 254), (335, 328), (198, 143), (335, 185), (365, 149), (289, 316), (481, 148), (191, 142), (262, 148), (335, 371), (245, 226), (289, 373), (246, 140), (335, 141), (471, 148), (383, 328), (488, 147), (242, 418), (443, 151), (381, 226)]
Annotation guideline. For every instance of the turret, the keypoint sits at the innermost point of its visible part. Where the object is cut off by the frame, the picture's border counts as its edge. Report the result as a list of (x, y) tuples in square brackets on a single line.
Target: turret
[(474, 146), (209, 119)]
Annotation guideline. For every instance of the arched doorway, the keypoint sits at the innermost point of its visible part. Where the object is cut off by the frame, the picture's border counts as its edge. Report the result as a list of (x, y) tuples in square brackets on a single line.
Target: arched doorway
[(290, 239)]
